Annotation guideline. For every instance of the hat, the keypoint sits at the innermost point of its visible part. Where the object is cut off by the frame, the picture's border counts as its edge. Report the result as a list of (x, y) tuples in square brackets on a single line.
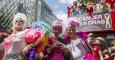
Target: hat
[(20, 16), (73, 22), (57, 23)]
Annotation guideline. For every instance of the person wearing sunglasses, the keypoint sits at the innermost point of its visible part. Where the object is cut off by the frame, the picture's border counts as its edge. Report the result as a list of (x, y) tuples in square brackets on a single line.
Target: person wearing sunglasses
[(75, 45), (16, 44), (55, 50)]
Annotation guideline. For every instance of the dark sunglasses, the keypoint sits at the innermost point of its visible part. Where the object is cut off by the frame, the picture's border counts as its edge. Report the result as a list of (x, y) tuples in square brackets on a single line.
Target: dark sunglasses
[(71, 29), (57, 28), (19, 21)]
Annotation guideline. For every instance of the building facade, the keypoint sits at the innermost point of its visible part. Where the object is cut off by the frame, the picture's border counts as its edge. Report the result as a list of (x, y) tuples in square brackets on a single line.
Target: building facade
[(34, 9), (46, 14), (8, 8)]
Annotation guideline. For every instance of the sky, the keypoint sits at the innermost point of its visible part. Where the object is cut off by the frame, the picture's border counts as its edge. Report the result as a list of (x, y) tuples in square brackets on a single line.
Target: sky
[(59, 8)]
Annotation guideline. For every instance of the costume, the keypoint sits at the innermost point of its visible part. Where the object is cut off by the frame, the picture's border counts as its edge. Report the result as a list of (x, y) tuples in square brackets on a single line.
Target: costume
[(77, 49), (82, 7), (69, 11), (2, 36), (17, 41), (14, 44), (44, 39), (96, 49), (89, 9), (75, 46), (75, 9), (32, 36), (56, 52), (98, 8)]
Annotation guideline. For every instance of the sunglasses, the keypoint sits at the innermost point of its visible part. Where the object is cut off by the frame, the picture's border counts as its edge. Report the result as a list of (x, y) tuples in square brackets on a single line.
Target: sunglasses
[(71, 29), (19, 21), (57, 28)]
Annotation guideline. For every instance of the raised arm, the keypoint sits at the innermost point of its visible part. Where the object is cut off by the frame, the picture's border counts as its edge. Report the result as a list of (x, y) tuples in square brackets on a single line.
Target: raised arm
[(100, 55)]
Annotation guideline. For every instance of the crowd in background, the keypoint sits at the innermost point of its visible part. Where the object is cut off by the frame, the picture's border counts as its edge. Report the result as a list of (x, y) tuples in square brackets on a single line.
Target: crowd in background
[(89, 7)]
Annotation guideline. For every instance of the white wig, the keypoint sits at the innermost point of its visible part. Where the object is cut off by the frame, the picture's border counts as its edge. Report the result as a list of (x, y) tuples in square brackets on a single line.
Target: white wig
[(20, 16)]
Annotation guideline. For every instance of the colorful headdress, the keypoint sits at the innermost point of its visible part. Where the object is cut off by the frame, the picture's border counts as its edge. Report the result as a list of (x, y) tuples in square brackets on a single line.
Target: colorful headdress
[(57, 23), (20, 16), (72, 22), (41, 27)]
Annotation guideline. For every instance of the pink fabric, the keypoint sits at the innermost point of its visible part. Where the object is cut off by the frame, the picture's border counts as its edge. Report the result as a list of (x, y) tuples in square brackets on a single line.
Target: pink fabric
[(57, 23), (32, 35), (95, 55), (83, 35), (52, 40), (90, 57), (8, 43), (56, 52)]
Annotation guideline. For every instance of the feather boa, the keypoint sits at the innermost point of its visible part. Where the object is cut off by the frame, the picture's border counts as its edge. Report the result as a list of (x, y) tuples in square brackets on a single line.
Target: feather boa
[(32, 54), (83, 35), (32, 35)]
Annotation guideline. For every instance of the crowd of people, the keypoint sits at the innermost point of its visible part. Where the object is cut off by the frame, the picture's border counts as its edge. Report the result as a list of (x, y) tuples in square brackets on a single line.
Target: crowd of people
[(32, 44), (88, 7)]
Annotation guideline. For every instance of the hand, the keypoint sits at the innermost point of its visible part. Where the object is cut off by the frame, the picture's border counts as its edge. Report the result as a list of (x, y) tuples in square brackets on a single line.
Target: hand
[(105, 51), (41, 54), (49, 50), (26, 49), (64, 48), (106, 57), (58, 45), (113, 54)]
